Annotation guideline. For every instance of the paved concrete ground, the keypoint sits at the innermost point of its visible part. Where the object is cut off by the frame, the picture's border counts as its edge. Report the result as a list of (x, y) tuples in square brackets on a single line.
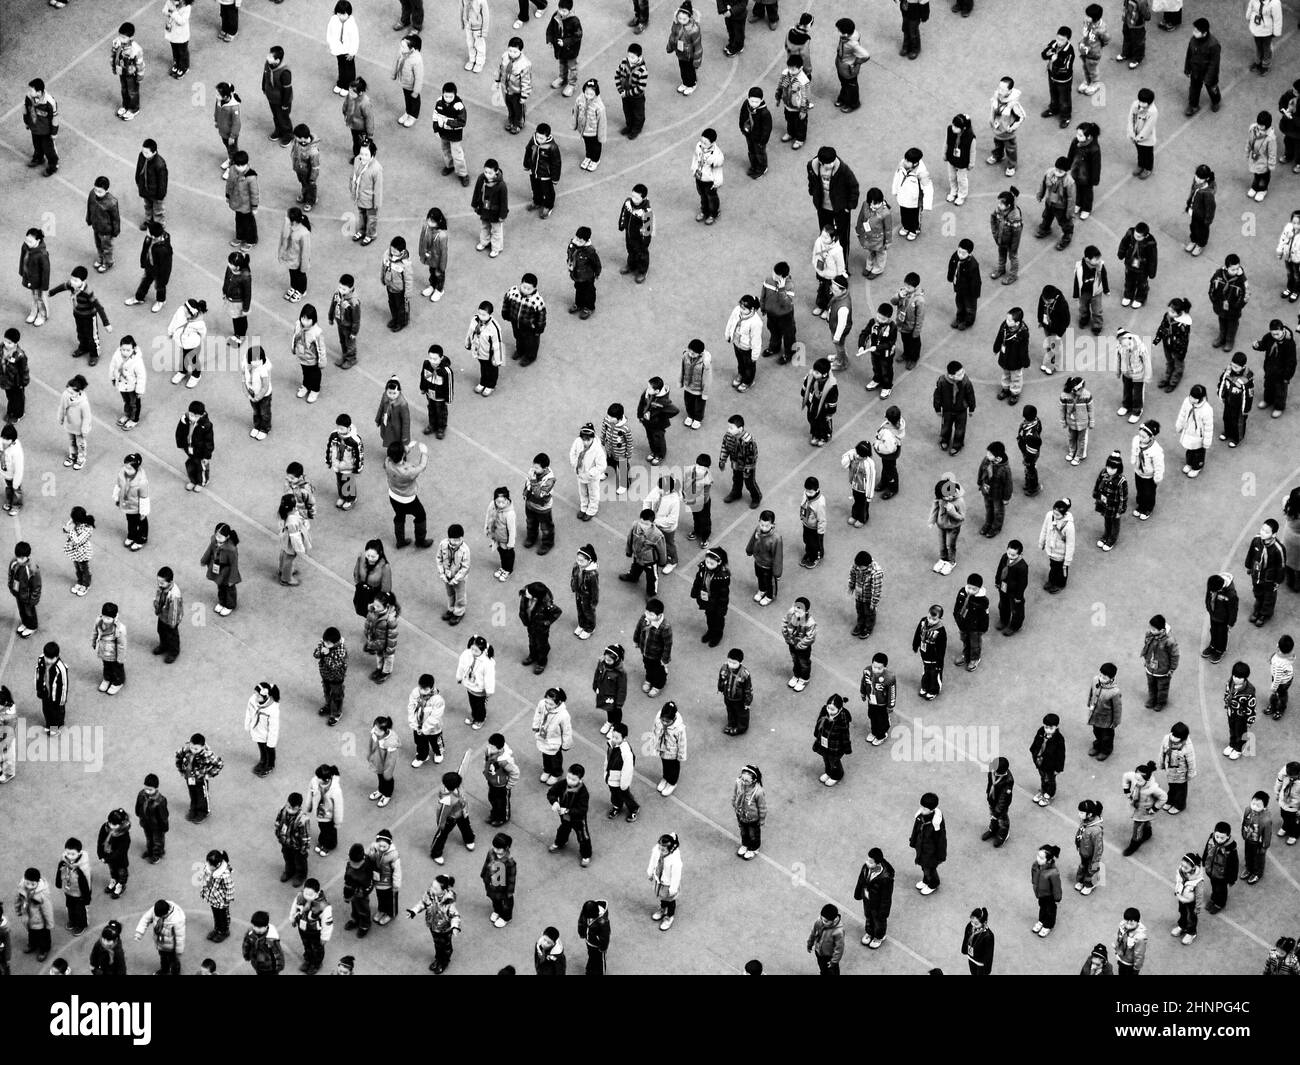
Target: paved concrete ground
[(815, 840)]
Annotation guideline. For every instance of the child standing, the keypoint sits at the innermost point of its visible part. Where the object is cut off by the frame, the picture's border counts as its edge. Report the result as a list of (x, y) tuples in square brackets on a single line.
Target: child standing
[(1110, 493), (438, 386), (1281, 672), (1257, 834), (930, 642), (697, 483), (866, 580), (889, 446), (1048, 754), (812, 519), (1200, 209), (970, 612), (799, 630), (1178, 760), (499, 526), (1174, 333), (126, 373), (108, 639), (114, 849), (765, 547), (616, 439), (78, 535), (433, 251), (1239, 702), (25, 586), (1237, 391), (152, 815), (584, 582), (345, 456), (331, 656), (425, 709), (395, 274), (1029, 439), (880, 338), (217, 889), (1261, 155), (1090, 285), (862, 481), (75, 419), (1077, 419), (1092, 40)]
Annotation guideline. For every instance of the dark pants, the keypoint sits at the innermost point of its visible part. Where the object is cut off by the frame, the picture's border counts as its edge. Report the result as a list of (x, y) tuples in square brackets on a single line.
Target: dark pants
[(1103, 739), (526, 345), (833, 763), (1255, 859), (651, 577), (1059, 95), (1158, 690), (1275, 388), (850, 97), (929, 875), (932, 677), (952, 429), (76, 913), (1111, 527), (399, 311), (16, 404), (1146, 154), (295, 862), (1265, 599), (539, 643), (198, 799), (538, 524), (745, 367), (1057, 577), (181, 56), (768, 581), (638, 255), (412, 14), (878, 717), (813, 547), (169, 637), (1228, 328), (1047, 781), (1000, 824), (1144, 488), (801, 662), (115, 673), (130, 91), (515, 110), (359, 910), (912, 35), (866, 614), (1187, 917), (477, 706), (877, 919), (1134, 48), (328, 835), (736, 29), (1177, 795), (715, 620), (412, 103), (621, 798), (313, 949), (440, 838), (262, 414), (595, 961), (333, 690), (686, 69), (889, 471), (155, 842), (414, 508), (634, 113), (757, 154), (266, 756), (1195, 82), (543, 191), (1047, 912), (428, 746), (746, 479), (151, 278), (702, 522), (168, 963), (246, 227), (967, 306), (582, 831), (1052, 212), (502, 905), (781, 334), (1237, 728), (1218, 636), (1277, 701), (281, 118), (655, 673), (27, 614), (737, 714), (53, 713), (584, 295), (826, 967), (298, 280), (347, 71), (229, 18), (796, 124), (1137, 286), (498, 804), (709, 203)]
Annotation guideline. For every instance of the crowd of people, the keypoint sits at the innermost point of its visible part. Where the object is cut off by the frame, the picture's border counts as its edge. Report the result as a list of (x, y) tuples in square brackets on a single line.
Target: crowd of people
[(602, 460)]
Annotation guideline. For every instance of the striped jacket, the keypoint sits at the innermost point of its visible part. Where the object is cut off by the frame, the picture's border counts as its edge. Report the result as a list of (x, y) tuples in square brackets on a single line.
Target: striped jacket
[(742, 449), (616, 437), (655, 642), (629, 80), (51, 681), (200, 763), (85, 304)]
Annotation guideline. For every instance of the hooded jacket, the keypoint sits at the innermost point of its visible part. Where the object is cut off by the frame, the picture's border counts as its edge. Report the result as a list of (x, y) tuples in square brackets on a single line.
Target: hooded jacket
[(1105, 704), (263, 950), (168, 930), (954, 395), (1056, 537), (1159, 653), (1222, 605), (500, 770), (929, 839), (553, 728), (1005, 114)]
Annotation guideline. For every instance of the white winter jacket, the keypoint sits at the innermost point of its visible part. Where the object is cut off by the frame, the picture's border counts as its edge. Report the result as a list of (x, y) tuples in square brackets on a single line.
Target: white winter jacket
[(1195, 424), (588, 462), (912, 186), (127, 374)]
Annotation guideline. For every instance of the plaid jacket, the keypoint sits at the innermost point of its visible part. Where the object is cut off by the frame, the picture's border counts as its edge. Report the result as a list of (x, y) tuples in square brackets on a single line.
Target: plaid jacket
[(525, 313), (293, 830), (218, 887), (866, 583)]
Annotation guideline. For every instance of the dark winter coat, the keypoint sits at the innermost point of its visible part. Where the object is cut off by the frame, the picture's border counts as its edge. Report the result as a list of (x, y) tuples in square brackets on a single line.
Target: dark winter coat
[(1048, 754), (929, 839), (1138, 256), (999, 793), (1053, 311), (198, 443), (833, 734), (756, 124), (1012, 346), (151, 177), (951, 395), (964, 276), (876, 893), (716, 583), (844, 186), (970, 613), (1085, 162), (156, 258)]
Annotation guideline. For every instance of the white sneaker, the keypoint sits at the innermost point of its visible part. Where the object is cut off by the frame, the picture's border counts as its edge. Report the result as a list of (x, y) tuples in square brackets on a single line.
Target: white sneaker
[(758, 597), (792, 682), (800, 684), (884, 393), (924, 890), (937, 567), (427, 291), (437, 295), (669, 789), (670, 567), (604, 729), (193, 382), (660, 786), (417, 762), (765, 601), (177, 378), (302, 391)]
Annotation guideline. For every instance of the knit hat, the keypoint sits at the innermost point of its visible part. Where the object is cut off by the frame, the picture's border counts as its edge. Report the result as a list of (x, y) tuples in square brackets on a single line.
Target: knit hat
[(1151, 427), (348, 962), (588, 552), (587, 430), (1115, 459), (1099, 951), (385, 835), (614, 651)]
